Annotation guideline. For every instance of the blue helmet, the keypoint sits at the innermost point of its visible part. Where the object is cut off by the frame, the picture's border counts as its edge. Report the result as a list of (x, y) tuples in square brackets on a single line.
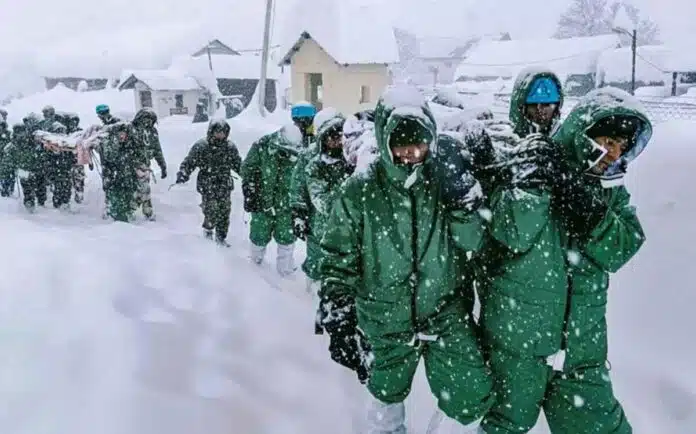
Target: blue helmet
[(303, 110), (102, 109), (543, 90)]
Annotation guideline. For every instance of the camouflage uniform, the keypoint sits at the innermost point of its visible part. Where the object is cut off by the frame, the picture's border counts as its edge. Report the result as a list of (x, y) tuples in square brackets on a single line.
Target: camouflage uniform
[(215, 158), (24, 156), (148, 138), (7, 180), (77, 172), (120, 159)]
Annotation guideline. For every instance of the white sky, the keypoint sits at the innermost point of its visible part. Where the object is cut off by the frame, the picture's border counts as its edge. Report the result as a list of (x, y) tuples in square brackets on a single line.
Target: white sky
[(33, 25)]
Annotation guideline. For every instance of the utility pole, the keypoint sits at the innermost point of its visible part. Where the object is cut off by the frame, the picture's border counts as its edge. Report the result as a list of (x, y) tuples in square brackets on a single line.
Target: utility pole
[(633, 61), (212, 102), (264, 57)]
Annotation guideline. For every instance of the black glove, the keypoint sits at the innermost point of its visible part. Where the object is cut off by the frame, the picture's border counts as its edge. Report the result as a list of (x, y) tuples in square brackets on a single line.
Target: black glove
[(532, 162), (578, 200), (164, 172), (300, 223), (460, 189), (181, 178), (252, 202), (348, 345), (577, 196)]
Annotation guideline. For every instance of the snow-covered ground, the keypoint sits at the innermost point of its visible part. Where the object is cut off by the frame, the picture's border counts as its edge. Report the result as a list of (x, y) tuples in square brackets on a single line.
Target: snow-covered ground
[(148, 328)]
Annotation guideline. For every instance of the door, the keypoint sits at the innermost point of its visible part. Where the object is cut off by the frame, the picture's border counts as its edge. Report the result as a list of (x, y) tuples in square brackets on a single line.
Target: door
[(314, 84), (145, 99)]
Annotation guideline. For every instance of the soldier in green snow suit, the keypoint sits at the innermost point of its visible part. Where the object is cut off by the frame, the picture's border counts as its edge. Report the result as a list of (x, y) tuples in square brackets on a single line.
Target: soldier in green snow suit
[(120, 156), (537, 99), (146, 134), (266, 173), (25, 157), (389, 269), (324, 173), (555, 238), (215, 157)]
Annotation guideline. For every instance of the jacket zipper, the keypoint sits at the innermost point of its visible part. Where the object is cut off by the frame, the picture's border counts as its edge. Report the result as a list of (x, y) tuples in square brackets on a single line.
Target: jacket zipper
[(413, 278), (566, 315)]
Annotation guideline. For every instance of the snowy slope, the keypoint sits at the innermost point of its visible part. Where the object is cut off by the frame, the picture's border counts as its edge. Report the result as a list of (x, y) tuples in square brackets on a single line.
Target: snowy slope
[(146, 328)]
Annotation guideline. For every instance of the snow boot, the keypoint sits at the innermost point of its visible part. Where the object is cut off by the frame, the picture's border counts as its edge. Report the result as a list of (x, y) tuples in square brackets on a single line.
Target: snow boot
[(257, 253), (222, 243), (285, 264), (208, 234), (440, 423), (385, 418)]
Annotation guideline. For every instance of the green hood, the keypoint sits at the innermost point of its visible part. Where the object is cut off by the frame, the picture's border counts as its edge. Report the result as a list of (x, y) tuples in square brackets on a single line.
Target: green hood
[(579, 149), (396, 104), (520, 91), (323, 122), (289, 139)]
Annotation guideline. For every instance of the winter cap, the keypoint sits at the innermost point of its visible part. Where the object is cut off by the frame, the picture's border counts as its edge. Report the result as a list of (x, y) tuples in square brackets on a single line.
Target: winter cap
[(303, 110), (543, 90), (102, 109), (409, 132), (615, 126)]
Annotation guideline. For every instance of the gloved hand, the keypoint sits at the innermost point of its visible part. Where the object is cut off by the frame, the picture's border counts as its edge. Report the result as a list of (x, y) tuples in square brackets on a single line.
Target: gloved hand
[(460, 189), (252, 202), (531, 162), (181, 178), (348, 345), (577, 196), (164, 172), (300, 225)]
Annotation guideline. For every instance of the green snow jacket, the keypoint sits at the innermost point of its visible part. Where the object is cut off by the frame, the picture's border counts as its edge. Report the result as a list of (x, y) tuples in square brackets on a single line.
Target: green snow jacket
[(520, 91), (390, 245), (541, 291), (323, 176), (268, 166)]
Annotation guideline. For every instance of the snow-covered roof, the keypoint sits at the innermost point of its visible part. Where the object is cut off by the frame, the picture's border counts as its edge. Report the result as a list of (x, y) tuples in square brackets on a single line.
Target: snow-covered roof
[(340, 33), (615, 65), (439, 47), (159, 80), (507, 58), (216, 47), (245, 66)]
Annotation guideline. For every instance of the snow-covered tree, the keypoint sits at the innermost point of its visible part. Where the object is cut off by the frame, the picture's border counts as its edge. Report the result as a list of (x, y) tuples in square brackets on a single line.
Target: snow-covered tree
[(647, 31), (584, 18), (596, 17)]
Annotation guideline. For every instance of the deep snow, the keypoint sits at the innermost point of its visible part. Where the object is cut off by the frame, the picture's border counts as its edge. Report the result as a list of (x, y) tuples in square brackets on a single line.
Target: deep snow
[(146, 328)]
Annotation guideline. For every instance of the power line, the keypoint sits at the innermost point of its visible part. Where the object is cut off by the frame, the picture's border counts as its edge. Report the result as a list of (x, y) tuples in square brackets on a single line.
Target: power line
[(531, 62)]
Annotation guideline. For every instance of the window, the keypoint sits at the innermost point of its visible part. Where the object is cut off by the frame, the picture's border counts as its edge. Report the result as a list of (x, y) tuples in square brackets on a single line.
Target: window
[(364, 94), (146, 99), (179, 101)]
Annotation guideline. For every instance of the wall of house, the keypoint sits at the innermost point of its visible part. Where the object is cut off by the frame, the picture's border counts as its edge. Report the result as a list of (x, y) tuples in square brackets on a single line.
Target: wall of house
[(163, 101), (341, 84)]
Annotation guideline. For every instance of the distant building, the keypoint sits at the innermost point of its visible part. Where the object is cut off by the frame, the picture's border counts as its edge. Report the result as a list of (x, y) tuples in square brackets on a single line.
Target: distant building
[(75, 83), (336, 62), (574, 60), (165, 92)]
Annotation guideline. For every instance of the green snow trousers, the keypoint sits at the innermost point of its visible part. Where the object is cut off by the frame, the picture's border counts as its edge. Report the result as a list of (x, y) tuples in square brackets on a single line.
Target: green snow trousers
[(579, 400), (271, 225), (454, 367), (119, 203), (310, 266)]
